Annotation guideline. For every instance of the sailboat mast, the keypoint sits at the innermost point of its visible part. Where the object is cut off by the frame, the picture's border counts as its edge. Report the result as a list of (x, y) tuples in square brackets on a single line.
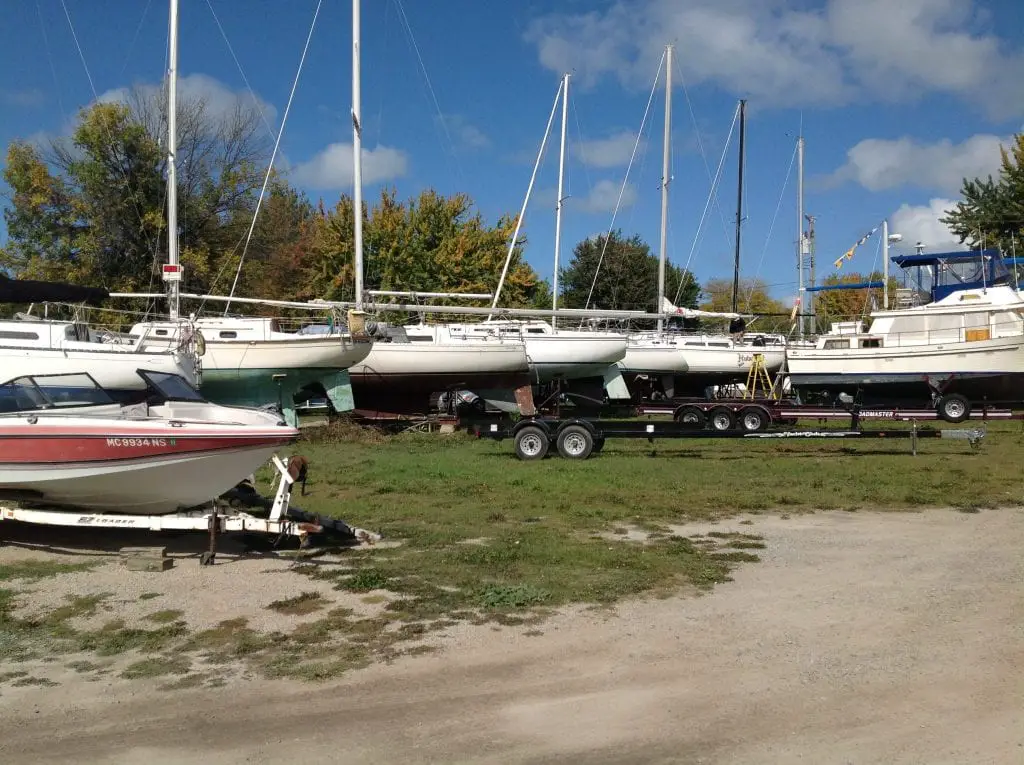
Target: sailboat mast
[(173, 283), (800, 229), (739, 208), (665, 171), (357, 158), (558, 204)]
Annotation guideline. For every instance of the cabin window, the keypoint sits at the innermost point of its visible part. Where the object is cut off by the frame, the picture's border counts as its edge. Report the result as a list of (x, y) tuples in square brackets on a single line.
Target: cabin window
[(699, 345), (162, 332), (718, 345), (833, 344), (229, 335), (13, 335), (1006, 323), (420, 338), (535, 331), (871, 342)]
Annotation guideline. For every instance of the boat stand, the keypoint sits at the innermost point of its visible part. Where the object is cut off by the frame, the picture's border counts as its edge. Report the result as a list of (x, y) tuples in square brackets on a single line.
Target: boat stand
[(231, 512)]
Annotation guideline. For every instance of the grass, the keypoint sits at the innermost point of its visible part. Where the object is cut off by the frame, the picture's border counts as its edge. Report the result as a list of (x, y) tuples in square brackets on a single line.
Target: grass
[(34, 570), (486, 538)]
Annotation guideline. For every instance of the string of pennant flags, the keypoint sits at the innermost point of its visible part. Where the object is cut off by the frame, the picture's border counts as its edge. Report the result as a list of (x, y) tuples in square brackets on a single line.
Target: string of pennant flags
[(848, 255)]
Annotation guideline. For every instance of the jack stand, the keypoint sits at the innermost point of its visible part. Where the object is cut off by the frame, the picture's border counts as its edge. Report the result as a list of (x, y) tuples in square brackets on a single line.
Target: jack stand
[(913, 437), (208, 557)]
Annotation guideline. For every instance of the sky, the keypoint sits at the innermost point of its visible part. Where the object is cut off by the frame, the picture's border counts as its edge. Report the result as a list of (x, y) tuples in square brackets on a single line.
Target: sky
[(897, 102)]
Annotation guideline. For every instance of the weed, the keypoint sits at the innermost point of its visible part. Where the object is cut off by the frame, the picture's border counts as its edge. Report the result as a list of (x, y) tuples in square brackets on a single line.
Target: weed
[(33, 570), (167, 616), (157, 666), (26, 681)]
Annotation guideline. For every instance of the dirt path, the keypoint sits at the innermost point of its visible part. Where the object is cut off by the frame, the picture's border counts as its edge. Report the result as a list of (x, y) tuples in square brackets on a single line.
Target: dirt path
[(860, 638)]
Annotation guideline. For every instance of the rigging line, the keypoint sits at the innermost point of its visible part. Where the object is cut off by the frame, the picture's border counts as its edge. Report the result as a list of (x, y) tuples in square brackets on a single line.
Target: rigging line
[(430, 88), (255, 100), (273, 156), (622, 189), (135, 38), (700, 144), (711, 194), (49, 58), (771, 228), (81, 55), (579, 133), (110, 136), (380, 91)]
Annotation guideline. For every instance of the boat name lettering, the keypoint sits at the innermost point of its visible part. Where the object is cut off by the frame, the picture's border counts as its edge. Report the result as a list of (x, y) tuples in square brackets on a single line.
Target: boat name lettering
[(138, 442)]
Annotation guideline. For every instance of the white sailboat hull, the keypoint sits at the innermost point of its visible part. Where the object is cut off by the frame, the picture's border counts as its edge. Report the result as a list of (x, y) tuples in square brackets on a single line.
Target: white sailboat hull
[(573, 355)]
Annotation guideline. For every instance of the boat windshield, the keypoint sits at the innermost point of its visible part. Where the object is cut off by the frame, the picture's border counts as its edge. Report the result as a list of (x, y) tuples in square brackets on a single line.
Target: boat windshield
[(171, 387), (50, 392)]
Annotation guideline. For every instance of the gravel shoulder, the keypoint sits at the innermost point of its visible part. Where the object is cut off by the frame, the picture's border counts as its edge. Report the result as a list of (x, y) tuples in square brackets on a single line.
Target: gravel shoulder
[(859, 638)]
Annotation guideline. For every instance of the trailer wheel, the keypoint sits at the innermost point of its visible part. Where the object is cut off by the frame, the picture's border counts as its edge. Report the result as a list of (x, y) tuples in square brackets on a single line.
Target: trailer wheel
[(691, 417), (753, 419), (722, 419), (575, 442), (954, 408), (531, 443)]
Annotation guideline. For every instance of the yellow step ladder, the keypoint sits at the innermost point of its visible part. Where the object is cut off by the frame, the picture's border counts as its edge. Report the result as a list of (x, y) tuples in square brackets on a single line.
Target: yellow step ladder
[(759, 380)]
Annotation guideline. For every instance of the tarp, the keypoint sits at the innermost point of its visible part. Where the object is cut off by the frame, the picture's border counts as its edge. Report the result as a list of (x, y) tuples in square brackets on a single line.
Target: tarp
[(27, 291), (692, 313), (931, 258), (857, 286)]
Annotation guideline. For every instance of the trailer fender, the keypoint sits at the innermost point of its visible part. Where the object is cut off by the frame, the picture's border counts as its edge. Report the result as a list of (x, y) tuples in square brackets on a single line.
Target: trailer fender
[(526, 423)]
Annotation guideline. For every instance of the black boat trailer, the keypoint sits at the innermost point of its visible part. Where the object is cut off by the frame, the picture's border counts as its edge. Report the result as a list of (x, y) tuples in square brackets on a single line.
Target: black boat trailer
[(579, 438)]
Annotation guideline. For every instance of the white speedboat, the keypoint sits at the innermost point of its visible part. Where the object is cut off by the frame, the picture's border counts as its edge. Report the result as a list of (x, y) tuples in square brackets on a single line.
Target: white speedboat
[(65, 443)]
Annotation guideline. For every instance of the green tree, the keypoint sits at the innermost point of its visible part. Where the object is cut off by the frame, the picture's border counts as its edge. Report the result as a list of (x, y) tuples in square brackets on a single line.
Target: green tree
[(628, 278), (429, 243), (849, 304), (753, 299), (992, 210)]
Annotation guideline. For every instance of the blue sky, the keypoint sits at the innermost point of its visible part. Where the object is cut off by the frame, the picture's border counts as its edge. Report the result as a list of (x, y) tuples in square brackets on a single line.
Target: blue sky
[(897, 102)]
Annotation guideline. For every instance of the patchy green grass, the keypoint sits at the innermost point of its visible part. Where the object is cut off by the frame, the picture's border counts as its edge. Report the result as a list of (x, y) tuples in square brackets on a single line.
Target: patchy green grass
[(302, 604), (157, 666), (166, 616), (33, 570)]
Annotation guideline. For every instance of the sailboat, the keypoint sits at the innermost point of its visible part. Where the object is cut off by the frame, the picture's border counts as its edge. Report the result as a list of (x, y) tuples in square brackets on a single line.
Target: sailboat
[(405, 370), (666, 364), (54, 347), (249, 361)]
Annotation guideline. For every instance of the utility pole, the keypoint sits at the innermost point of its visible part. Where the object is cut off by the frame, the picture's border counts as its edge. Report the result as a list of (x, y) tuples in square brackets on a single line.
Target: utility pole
[(739, 208)]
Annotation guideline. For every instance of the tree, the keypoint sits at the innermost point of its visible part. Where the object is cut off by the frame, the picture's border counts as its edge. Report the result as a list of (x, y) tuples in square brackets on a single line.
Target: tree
[(93, 208), (992, 210), (429, 243), (628, 278), (849, 304), (753, 299)]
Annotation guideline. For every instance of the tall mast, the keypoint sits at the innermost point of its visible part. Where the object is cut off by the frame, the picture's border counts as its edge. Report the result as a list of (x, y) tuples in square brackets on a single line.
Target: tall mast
[(173, 285), (800, 229), (558, 204), (665, 171), (739, 208), (357, 159)]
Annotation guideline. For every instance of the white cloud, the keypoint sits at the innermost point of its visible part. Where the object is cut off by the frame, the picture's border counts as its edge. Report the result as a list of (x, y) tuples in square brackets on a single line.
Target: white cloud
[(220, 101), (613, 151), (878, 164), (603, 198), (787, 54), (465, 135), (332, 168), (920, 223)]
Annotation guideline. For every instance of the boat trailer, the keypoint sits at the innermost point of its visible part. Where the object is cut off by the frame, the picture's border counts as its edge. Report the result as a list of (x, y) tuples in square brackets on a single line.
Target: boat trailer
[(236, 511), (579, 438)]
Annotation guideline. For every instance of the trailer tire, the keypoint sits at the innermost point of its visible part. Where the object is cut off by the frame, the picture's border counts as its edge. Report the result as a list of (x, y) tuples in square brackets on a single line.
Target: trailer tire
[(691, 417), (575, 442), (754, 419), (954, 408), (598, 444), (722, 419), (531, 443)]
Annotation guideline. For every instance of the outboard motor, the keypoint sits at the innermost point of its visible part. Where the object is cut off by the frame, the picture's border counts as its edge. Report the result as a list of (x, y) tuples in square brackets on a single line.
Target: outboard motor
[(736, 326)]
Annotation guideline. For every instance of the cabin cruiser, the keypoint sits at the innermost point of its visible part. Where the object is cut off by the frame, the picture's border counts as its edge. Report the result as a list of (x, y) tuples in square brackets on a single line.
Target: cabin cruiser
[(965, 346)]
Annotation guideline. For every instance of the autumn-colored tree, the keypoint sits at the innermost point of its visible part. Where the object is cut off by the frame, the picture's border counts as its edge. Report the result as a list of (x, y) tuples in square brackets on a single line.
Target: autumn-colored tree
[(753, 299), (429, 243), (848, 304), (628, 278)]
